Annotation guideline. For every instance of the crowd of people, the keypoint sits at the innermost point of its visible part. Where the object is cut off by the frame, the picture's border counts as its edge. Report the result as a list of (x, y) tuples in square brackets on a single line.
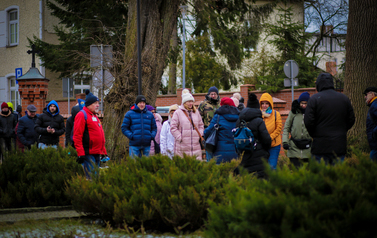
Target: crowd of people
[(316, 128)]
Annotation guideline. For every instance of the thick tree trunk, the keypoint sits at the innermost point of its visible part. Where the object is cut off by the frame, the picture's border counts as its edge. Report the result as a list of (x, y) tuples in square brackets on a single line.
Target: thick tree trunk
[(158, 18), (172, 87), (361, 59)]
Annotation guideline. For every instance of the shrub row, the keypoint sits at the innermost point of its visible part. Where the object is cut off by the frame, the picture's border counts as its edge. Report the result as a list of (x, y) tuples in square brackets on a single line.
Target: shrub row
[(153, 190), (314, 201), (37, 177)]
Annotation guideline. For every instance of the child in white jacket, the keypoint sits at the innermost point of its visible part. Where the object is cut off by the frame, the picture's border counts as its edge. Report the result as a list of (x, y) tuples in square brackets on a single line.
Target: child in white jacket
[(166, 138)]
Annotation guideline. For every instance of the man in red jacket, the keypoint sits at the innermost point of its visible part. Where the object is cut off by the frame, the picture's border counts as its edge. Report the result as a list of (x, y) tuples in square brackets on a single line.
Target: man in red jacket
[(88, 135)]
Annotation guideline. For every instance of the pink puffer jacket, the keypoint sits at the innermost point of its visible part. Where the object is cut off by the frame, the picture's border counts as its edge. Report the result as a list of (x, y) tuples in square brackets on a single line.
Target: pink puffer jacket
[(186, 137), (158, 119)]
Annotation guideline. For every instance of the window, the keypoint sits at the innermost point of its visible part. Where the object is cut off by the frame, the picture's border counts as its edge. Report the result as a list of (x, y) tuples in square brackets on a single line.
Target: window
[(80, 85), (13, 27), (14, 94)]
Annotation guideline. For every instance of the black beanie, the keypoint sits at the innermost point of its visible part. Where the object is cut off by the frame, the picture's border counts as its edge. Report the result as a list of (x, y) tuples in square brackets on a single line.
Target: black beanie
[(253, 102), (140, 98), (90, 98)]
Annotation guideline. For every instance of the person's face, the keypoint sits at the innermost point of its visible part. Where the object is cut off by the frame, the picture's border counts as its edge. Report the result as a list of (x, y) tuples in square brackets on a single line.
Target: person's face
[(369, 96), (189, 104), (52, 108), (5, 110), (171, 113), (31, 114), (264, 105), (213, 95), (141, 105), (94, 107), (303, 104)]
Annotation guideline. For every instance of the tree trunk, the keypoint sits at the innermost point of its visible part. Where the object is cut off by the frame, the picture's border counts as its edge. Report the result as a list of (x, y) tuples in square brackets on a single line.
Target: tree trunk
[(172, 87), (361, 59), (158, 18)]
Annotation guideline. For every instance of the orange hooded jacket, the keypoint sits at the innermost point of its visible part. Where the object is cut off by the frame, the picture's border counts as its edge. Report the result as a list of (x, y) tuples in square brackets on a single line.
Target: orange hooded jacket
[(274, 126)]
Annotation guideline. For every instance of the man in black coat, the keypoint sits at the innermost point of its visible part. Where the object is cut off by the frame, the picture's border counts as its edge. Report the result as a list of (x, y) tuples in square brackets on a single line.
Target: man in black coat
[(252, 161), (49, 126), (26, 134), (7, 125), (328, 117), (69, 126)]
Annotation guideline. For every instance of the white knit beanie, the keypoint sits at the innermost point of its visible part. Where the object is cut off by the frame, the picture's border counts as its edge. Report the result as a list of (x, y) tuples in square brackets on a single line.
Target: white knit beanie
[(186, 96)]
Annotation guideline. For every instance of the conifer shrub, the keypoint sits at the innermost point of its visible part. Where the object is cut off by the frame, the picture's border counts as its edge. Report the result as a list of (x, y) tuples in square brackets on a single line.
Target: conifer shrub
[(153, 191), (313, 201), (37, 177)]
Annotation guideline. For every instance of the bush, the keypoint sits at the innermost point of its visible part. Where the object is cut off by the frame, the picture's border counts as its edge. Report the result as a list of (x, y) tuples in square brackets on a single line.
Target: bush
[(153, 191), (37, 177), (314, 201)]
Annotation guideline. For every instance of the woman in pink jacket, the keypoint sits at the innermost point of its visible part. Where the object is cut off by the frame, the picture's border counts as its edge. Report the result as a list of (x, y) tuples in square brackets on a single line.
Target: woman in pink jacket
[(186, 137)]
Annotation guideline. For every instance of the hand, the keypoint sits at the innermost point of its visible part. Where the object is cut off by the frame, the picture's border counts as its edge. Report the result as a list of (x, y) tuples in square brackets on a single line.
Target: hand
[(286, 146), (80, 159)]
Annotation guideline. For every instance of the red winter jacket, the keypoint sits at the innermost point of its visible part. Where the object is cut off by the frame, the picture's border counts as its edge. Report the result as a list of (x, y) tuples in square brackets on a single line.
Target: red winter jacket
[(88, 136)]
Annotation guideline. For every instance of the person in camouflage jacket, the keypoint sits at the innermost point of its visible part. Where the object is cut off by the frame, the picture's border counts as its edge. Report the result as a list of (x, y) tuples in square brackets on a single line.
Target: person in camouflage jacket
[(208, 107)]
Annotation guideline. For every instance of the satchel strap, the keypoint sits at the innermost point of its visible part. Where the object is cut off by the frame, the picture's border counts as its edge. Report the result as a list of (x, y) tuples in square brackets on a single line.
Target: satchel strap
[(192, 124)]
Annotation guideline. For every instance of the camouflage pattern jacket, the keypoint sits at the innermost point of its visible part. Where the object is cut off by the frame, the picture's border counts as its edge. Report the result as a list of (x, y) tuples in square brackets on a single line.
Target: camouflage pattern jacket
[(207, 109)]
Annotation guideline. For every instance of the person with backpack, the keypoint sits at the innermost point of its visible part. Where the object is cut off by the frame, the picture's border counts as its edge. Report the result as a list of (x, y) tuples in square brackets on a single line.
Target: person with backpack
[(225, 119), (26, 135), (166, 138), (252, 160), (50, 126), (298, 146), (187, 128), (88, 135), (274, 126)]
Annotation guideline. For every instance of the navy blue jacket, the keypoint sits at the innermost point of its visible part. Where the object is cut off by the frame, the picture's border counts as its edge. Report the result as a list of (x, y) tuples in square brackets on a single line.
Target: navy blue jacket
[(25, 130), (372, 125), (225, 149), (55, 121), (139, 126)]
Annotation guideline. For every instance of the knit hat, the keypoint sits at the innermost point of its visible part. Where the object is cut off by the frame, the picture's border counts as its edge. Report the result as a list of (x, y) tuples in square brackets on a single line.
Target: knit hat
[(173, 107), (186, 96), (31, 108), (90, 98), (237, 95), (370, 89), (213, 89), (242, 100), (19, 108), (304, 97), (227, 101), (140, 98), (10, 106), (150, 108), (4, 105), (235, 100), (253, 102), (81, 103)]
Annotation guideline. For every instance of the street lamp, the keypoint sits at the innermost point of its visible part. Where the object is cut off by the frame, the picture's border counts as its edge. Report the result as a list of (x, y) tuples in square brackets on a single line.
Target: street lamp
[(184, 11)]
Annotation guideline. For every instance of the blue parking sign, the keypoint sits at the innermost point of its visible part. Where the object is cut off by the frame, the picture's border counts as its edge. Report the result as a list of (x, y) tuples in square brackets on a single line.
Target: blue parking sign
[(18, 72)]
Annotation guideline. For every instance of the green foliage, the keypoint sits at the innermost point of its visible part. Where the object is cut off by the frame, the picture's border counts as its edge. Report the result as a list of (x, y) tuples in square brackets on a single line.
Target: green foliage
[(37, 177), (153, 191), (289, 39), (314, 201)]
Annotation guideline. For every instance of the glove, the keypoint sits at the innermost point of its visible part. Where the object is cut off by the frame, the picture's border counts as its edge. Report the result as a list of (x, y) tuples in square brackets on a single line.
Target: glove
[(286, 146), (80, 159)]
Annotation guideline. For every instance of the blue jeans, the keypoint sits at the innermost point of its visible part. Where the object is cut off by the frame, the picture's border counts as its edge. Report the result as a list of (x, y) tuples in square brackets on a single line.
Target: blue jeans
[(89, 163), (138, 151), (373, 155), (209, 156), (44, 146), (274, 155), (329, 158)]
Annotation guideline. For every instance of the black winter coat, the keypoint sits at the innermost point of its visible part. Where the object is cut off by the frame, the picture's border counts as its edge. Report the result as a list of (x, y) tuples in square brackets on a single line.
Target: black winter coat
[(25, 131), (69, 126), (46, 119), (328, 117), (252, 161), (7, 125)]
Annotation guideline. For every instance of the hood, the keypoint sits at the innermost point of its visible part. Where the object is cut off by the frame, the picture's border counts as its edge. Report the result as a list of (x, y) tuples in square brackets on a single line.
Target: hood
[(137, 109), (10, 105), (56, 104), (249, 114), (158, 117), (267, 97), (211, 100), (324, 81), (74, 111), (228, 112), (6, 115)]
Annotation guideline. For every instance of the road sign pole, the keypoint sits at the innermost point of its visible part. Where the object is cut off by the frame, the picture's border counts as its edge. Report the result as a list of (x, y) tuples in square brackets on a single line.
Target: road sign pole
[(69, 101), (291, 66)]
